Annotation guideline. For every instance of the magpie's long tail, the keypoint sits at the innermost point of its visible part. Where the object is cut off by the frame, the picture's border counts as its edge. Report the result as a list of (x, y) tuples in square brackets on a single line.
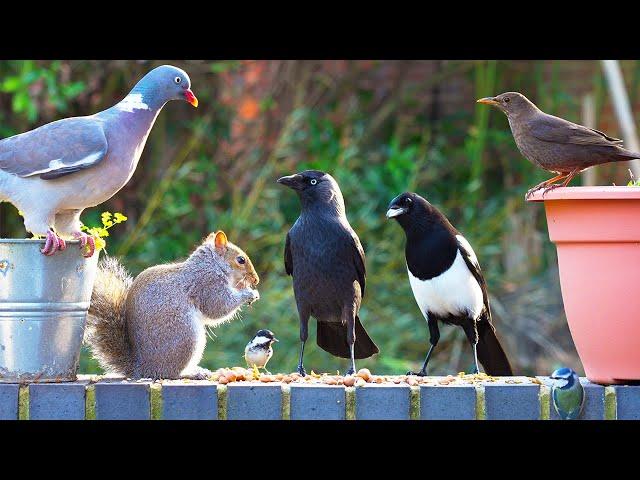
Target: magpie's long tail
[(490, 352), (332, 337)]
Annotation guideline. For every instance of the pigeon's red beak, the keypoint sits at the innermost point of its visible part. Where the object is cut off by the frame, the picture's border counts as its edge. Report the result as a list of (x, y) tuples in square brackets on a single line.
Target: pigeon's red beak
[(190, 97)]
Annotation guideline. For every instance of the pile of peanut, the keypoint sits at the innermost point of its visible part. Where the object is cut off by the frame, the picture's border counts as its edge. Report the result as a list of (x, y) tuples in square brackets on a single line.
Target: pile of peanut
[(362, 377)]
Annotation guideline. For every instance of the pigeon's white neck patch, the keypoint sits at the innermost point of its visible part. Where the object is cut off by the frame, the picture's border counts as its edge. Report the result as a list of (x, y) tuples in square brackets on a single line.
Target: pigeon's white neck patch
[(132, 102)]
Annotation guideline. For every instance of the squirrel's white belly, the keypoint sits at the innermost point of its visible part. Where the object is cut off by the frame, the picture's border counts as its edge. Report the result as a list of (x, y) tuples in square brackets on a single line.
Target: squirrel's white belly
[(197, 326)]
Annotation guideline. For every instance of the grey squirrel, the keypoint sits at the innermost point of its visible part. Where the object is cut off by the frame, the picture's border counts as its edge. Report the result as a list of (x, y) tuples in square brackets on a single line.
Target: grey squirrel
[(154, 326)]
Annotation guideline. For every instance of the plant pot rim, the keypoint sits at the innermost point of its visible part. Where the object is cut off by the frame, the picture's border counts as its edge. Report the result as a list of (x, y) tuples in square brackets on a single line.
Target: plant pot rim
[(588, 193)]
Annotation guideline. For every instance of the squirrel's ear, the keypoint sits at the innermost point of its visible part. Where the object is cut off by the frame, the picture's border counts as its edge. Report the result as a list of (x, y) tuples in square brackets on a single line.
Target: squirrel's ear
[(219, 239)]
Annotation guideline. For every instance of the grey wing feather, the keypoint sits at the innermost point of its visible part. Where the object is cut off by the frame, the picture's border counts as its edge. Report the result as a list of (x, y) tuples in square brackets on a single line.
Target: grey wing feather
[(288, 259), (558, 130), (55, 149)]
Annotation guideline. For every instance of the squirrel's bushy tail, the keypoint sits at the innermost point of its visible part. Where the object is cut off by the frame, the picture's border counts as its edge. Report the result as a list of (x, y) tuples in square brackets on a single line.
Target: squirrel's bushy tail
[(106, 330)]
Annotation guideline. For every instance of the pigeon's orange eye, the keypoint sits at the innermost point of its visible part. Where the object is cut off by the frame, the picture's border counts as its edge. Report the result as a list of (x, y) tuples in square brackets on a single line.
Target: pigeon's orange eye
[(177, 79)]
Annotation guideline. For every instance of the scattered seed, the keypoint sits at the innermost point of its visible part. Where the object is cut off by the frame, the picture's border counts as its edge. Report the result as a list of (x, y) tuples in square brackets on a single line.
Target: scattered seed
[(349, 381)]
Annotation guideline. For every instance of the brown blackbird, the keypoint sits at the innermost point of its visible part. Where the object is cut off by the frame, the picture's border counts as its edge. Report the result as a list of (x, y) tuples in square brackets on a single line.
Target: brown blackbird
[(555, 144)]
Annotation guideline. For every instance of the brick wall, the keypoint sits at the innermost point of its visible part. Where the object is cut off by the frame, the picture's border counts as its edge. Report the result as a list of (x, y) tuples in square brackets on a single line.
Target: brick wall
[(513, 398)]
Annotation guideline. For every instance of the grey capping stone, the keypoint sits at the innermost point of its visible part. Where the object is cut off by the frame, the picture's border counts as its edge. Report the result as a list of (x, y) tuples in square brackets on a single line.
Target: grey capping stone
[(254, 401), (512, 401), (317, 402), (57, 401), (190, 401), (122, 400), (593, 408), (448, 402), (627, 402), (383, 402), (9, 401)]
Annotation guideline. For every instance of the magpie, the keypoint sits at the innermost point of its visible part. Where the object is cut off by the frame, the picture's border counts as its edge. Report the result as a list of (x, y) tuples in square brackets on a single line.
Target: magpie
[(326, 260), (567, 393), (259, 350), (447, 282)]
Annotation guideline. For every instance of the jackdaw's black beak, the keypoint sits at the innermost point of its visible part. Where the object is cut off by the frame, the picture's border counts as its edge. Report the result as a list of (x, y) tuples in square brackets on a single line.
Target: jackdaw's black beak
[(488, 101), (395, 210), (292, 181)]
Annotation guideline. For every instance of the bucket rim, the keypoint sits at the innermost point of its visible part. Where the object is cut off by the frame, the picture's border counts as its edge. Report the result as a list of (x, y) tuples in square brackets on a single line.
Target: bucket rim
[(31, 241)]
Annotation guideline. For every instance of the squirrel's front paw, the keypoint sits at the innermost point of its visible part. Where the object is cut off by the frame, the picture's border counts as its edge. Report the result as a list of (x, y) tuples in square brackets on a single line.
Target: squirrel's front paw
[(251, 296)]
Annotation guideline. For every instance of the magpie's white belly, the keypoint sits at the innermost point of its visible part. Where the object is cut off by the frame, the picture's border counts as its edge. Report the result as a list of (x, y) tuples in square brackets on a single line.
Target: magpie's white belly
[(453, 292)]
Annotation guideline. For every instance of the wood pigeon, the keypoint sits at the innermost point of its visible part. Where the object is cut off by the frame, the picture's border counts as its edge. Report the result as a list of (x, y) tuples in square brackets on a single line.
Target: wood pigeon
[(54, 172)]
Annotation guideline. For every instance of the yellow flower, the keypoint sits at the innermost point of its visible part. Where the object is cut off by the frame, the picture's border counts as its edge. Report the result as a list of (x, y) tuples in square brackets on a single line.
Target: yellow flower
[(100, 244), (99, 232)]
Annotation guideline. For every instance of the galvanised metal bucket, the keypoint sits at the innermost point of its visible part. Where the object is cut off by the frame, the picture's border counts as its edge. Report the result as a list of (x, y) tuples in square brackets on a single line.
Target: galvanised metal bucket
[(43, 309)]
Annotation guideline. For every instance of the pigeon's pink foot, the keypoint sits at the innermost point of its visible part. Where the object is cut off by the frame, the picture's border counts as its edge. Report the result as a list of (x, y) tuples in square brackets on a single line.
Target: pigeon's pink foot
[(53, 244), (87, 244)]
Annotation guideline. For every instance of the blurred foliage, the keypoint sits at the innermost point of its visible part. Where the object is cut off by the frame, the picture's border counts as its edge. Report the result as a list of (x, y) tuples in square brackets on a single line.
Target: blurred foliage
[(380, 127)]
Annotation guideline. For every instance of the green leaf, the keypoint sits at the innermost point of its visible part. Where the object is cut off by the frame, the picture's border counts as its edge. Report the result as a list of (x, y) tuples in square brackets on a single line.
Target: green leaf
[(11, 84)]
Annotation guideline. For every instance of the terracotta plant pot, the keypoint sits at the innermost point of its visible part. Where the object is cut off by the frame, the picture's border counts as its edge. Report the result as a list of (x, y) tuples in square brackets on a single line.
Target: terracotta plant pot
[(597, 234)]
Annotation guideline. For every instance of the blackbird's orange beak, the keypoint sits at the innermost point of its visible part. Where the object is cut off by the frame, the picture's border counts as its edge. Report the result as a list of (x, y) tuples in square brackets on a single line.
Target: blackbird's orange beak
[(190, 97), (488, 101)]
